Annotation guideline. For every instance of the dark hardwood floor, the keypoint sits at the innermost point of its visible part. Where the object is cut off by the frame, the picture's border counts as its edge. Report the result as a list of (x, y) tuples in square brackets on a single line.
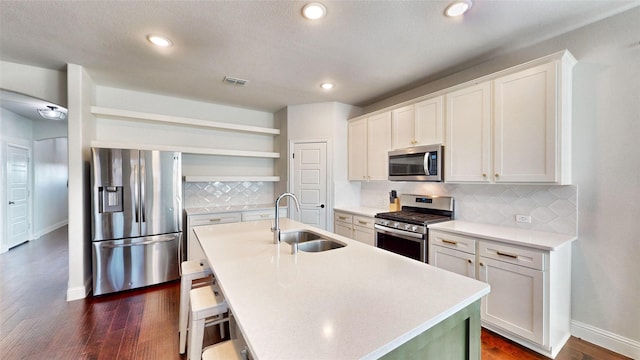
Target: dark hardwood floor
[(38, 323)]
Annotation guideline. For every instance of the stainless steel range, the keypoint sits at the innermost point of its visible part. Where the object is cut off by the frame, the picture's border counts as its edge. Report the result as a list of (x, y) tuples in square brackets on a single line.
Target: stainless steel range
[(405, 232)]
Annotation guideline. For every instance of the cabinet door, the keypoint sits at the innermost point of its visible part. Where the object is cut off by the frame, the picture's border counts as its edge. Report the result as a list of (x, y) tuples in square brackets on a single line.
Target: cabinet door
[(357, 149), (525, 126), (364, 235), (378, 146), (343, 229), (453, 260), (429, 122), (194, 250), (515, 302), (402, 128), (467, 150)]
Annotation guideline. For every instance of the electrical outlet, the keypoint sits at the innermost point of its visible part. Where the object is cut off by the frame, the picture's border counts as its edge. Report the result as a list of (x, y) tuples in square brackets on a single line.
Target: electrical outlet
[(523, 218)]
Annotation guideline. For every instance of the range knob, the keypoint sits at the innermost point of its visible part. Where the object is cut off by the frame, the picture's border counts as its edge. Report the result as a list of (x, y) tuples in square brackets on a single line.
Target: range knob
[(407, 227), (395, 225), (414, 228)]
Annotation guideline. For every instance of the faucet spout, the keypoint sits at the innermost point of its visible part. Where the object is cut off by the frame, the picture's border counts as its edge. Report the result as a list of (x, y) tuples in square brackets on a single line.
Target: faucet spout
[(276, 227)]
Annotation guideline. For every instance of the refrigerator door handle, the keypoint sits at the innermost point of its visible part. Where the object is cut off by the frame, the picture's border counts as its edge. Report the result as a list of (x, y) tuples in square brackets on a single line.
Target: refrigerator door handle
[(143, 180), (141, 243), (136, 192)]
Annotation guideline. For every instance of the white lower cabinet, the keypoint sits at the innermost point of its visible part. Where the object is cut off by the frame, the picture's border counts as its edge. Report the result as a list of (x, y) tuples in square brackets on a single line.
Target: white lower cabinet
[(355, 227), (516, 299), (454, 253), (530, 298)]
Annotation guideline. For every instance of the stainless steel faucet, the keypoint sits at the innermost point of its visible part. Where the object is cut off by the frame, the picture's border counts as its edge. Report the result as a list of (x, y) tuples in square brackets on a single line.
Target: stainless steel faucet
[(276, 227)]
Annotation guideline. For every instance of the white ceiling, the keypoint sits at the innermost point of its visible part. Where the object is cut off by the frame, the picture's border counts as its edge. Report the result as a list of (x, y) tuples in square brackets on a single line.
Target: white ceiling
[(369, 49)]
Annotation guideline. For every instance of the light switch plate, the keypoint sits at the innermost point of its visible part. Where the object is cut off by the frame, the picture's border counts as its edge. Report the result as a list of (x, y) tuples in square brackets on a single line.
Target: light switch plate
[(523, 218)]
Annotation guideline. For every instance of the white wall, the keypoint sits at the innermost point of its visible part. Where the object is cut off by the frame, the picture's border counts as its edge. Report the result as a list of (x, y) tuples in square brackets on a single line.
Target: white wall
[(606, 170), (81, 130), (50, 210), (40, 83), (327, 121)]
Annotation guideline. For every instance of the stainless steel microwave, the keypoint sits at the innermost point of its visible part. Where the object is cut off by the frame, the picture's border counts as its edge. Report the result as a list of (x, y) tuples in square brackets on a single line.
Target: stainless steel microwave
[(420, 163)]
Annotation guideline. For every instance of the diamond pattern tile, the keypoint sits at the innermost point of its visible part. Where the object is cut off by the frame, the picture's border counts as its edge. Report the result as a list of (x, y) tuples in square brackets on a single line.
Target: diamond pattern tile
[(552, 208), (202, 194)]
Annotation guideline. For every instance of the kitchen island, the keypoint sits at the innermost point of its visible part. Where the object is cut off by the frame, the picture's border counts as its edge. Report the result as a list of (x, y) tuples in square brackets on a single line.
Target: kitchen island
[(352, 302)]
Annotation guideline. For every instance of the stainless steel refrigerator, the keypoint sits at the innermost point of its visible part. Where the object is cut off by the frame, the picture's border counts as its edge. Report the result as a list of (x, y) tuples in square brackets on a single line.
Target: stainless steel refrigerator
[(136, 222)]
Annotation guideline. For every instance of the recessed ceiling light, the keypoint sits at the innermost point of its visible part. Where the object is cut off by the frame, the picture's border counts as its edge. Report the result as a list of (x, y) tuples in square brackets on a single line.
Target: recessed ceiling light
[(314, 11), (457, 8), (158, 40), (327, 85)]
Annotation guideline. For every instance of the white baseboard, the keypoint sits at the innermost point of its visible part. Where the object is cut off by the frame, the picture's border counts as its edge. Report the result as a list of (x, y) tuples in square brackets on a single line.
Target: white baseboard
[(79, 292), (49, 229), (606, 339)]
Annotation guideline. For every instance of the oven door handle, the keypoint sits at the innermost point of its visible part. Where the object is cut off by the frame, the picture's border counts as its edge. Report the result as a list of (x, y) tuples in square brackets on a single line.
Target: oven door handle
[(403, 234)]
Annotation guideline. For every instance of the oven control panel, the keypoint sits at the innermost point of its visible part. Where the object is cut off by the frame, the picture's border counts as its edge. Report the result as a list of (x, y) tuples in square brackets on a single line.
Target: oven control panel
[(402, 226)]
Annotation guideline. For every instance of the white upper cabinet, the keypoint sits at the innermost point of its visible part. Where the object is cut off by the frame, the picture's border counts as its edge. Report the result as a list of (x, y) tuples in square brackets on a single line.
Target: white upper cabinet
[(369, 144), (418, 124), (525, 126), (358, 149), (402, 127), (468, 145), (429, 121), (515, 128)]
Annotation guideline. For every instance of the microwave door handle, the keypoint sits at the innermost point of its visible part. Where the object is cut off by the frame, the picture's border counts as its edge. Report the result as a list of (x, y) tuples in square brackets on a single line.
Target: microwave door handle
[(427, 163)]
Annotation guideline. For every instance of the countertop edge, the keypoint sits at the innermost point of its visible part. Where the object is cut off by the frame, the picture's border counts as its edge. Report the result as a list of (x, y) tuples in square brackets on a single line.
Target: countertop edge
[(226, 209), (506, 234), (387, 348), (360, 210)]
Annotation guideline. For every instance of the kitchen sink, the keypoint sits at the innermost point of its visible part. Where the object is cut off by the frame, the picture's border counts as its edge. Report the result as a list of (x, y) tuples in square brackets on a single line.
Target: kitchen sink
[(320, 245), (309, 241)]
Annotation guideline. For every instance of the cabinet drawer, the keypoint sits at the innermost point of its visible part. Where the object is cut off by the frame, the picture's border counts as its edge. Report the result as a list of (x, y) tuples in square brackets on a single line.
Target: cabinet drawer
[(452, 241), (263, 214), (343, 217), (512, 254), (213, 219), (363, 221)]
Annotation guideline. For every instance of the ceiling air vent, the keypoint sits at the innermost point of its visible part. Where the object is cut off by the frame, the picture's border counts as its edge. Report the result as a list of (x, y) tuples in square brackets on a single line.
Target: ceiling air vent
[(235, 81)]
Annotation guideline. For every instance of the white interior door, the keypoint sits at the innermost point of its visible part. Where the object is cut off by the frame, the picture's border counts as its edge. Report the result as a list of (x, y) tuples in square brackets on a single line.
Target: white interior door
[(17, 195), (310, 183)]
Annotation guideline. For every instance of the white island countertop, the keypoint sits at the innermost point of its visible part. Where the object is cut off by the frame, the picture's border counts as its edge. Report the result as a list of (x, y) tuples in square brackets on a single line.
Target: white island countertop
[(348, 303)]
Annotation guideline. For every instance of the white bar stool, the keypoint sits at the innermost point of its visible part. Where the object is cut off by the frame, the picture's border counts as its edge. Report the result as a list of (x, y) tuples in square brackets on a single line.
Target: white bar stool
[(190, 270), (226, 350), (207, 305)]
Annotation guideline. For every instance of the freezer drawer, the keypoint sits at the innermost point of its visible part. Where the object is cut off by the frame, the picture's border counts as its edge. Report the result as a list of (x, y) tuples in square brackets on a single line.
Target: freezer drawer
[(132, 263)]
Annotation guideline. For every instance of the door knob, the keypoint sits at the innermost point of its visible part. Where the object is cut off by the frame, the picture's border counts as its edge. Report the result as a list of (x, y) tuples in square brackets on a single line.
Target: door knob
[(320, 206), (11, 203)]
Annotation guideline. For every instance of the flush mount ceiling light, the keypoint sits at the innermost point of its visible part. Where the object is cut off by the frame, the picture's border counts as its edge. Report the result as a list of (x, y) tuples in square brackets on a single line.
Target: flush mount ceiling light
[(457, 8), (327, 85), (314, 11), (235, 81), (158, 40), (52, 113)]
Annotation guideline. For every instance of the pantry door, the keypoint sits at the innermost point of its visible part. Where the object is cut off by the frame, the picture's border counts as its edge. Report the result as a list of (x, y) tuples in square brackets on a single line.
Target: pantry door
[(17, 195), (310, 183)]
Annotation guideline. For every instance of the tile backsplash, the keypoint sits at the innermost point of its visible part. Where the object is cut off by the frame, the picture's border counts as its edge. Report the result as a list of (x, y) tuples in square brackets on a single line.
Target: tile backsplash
[(552, 208), (217, 193)]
